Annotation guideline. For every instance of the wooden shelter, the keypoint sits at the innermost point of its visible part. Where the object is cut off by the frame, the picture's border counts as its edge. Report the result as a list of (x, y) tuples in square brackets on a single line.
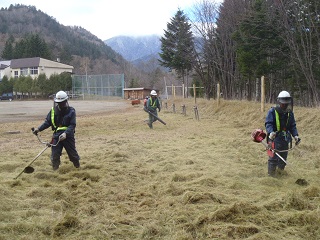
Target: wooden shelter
[(137, 93)]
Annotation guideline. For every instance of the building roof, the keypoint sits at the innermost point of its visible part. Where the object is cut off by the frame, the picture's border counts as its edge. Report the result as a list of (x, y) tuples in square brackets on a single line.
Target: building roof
[(3, 66), (136, 89), (36, 62), (25, 62)]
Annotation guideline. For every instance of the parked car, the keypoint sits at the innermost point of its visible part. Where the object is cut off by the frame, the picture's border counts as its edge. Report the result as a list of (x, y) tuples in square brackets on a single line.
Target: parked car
[(6, 96)]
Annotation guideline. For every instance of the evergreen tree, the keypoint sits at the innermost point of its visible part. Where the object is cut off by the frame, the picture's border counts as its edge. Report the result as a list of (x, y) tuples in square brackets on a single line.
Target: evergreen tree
[(177, 46), (31, 46), (260, 48), (5, 85), (8, 49), (42, 84)]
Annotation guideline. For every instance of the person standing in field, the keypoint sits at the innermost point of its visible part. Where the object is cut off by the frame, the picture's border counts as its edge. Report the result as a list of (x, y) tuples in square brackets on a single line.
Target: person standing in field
[(62, 120), (280, 126), (152, 105)]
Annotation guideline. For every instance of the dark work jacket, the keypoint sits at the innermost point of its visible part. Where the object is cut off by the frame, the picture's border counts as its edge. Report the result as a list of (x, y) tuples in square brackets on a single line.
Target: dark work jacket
[(152, 105), (287, 124), (62, 119)]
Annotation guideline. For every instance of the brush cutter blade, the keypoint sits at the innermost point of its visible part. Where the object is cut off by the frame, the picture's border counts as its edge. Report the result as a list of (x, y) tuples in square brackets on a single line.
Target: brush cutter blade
[(28, 169)]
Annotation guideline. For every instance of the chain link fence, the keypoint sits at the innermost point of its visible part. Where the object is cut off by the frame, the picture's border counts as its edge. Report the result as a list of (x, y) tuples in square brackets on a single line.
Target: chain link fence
[(97, 86)]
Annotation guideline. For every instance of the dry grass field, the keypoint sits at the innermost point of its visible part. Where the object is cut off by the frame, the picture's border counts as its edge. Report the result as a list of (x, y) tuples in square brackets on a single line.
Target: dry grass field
[(185, 180)]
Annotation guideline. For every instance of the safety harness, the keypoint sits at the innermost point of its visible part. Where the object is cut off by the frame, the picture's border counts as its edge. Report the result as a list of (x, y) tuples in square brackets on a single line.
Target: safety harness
[(153, 104), (54, 127), (278, 124)]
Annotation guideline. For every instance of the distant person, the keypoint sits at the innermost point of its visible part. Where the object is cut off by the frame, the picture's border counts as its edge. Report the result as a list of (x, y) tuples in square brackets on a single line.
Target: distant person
[(62, 120), (280, 126), (152, 105)]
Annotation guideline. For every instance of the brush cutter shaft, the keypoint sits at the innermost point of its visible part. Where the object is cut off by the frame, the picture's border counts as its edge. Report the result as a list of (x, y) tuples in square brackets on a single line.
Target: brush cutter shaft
[(269, 148), (32, 161)]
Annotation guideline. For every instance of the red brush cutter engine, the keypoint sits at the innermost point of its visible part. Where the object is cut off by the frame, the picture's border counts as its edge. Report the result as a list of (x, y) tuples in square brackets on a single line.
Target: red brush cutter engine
[(258, 135)]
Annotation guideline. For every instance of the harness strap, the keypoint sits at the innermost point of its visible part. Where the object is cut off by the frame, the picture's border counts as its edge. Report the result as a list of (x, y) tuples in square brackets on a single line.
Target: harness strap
[(55, 128)]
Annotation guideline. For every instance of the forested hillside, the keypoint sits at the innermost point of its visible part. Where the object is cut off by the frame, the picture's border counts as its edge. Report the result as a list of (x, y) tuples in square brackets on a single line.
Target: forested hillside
[(72, 45)]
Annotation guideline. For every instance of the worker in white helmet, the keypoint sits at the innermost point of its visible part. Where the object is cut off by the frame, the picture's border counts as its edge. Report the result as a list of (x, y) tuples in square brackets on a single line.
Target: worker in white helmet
[(62, 120), (281, 127), (152, 105)]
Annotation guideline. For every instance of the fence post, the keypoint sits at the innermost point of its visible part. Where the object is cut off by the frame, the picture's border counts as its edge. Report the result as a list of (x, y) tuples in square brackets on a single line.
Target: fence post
[(174, 108), (194, 94), (218, 93), (263, 94), (184, 110), (196, 113)]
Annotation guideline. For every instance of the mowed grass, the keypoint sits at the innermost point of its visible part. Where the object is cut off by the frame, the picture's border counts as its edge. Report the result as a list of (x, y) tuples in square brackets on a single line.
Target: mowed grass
[(189, 179)]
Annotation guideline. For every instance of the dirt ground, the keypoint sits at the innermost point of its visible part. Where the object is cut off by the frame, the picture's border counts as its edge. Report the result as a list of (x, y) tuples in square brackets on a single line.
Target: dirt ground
[(19, 111)]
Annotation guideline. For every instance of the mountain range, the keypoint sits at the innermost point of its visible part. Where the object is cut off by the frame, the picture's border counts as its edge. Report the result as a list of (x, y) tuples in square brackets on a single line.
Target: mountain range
[(136, 49)]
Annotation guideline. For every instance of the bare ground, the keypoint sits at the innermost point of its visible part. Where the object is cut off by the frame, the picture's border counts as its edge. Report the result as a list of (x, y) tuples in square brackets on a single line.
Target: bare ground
[(19, 111)]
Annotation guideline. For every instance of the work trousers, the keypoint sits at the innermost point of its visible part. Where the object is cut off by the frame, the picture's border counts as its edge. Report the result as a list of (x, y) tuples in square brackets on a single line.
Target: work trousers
[(69, 145), (152, 118), (275, 161)]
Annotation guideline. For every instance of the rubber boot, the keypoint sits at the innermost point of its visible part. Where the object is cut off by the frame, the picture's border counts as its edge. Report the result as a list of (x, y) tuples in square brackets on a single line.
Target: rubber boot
[(271, 169)]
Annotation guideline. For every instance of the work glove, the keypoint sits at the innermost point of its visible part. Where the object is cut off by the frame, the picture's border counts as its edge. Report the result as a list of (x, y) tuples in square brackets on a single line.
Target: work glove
[(272, 135), (297, 139), (62, 137), (35, 131)]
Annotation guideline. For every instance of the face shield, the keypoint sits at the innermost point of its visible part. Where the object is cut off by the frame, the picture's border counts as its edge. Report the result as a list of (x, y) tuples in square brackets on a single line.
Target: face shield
[(285, 104), (62, 106)]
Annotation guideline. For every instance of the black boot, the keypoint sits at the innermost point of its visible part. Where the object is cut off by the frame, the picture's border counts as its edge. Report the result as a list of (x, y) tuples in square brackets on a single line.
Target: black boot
[(271, 169), (76, 163)]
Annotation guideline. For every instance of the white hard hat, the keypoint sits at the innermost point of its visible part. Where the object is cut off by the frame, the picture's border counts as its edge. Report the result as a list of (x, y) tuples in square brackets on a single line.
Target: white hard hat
[(284, 97), (61, 96), (153, 93)]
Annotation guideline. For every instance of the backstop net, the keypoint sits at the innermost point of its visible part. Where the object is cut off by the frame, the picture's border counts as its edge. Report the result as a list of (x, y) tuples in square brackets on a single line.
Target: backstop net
[(98, 86)]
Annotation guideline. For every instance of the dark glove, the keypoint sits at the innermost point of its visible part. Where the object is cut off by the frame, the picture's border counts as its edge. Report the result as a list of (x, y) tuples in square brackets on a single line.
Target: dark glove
[(35, 131), (297, 139)]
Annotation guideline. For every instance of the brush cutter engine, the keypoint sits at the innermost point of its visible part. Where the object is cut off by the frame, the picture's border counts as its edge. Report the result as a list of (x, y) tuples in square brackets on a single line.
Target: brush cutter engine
[(258, 135)]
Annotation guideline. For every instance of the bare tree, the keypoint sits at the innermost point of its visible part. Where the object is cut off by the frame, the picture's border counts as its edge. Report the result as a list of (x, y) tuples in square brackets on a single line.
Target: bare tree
[(203, 21), (231, 13), (301, 22)]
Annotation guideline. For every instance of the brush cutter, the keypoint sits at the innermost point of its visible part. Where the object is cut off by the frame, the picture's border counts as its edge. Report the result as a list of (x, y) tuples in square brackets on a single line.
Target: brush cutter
[(28, 169), (259, 135)]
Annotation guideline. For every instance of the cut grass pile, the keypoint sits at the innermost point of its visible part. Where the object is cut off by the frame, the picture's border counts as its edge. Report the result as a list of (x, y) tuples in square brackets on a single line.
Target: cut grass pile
[(189, 179)]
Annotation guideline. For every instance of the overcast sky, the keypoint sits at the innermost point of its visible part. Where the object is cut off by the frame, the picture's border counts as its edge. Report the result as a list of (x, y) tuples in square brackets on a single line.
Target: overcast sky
[(110, 18)]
